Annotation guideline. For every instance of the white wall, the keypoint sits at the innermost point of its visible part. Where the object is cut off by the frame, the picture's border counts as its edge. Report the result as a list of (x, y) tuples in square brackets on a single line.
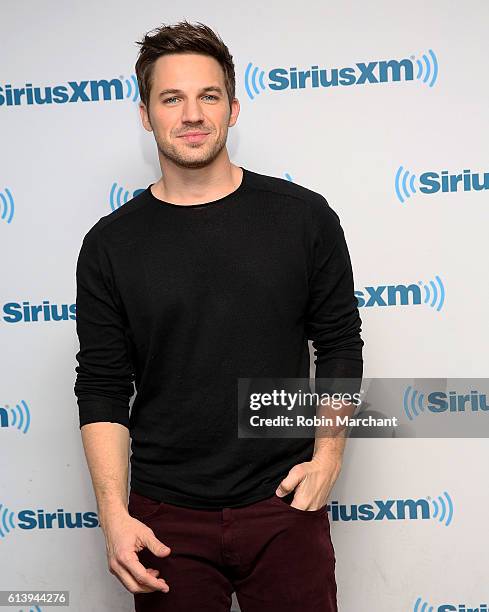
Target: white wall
[(59, 162)]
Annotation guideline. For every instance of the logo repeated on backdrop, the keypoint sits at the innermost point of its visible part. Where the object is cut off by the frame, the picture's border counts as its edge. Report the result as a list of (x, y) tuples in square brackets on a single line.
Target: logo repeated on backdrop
[(6, 205), (431, 293), (119, 195), (25, 312), (100, 90), (420, 605), (424, 70), (439, 509), (415, 403), (40, 518), (16, 418), (431, 182)]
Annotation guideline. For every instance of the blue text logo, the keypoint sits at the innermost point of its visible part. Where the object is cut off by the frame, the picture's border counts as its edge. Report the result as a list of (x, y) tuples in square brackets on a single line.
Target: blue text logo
[(101, 90), (25, 312), (431, 294), (406, 184), (41, 519), (415, 402), (439, 509), (278, 79)]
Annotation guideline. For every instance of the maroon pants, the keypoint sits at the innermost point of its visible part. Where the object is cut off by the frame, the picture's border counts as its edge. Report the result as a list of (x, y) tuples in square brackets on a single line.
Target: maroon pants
[(274, 556)]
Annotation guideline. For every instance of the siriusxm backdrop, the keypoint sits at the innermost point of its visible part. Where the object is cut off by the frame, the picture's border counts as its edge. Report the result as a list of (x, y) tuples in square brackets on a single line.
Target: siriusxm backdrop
[(382, 108)]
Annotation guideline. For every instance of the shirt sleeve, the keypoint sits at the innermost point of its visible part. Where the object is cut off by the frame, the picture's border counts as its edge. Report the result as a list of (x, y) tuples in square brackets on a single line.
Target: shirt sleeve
[(332, 319), (104, 381)]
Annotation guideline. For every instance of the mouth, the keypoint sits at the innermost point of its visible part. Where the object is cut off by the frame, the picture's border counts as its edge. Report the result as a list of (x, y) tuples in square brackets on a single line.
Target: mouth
[(194, 136)]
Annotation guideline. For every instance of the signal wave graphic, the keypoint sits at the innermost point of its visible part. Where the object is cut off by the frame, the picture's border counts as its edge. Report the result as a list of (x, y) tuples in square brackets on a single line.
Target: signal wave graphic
[(21, 416), (428, 68), (404, 185), (132, 87), (434, 292), (7, 205), (6, 521), (34, 609), (254, 78), (442, 508), (118, 196), (288, 177), (422, 606), (413, 402)]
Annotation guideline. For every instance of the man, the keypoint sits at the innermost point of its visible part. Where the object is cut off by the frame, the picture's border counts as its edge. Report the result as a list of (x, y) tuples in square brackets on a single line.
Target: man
[(211, 274)]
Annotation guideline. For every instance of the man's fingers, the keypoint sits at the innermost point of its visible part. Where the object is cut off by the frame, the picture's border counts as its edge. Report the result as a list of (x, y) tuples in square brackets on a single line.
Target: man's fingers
[(127, 580), (301, 505), (155, 546), (131, 563), (290, 482)]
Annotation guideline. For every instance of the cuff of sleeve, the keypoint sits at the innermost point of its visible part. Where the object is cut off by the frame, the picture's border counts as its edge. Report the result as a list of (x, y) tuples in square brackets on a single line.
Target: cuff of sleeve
[(92, 411)]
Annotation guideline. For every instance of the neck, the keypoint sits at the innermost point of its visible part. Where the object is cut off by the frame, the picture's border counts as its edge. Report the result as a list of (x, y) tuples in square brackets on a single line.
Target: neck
[(197, 185)]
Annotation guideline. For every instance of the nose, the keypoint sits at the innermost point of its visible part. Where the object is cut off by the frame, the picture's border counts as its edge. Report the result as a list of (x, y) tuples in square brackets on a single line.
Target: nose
[(192, 112)]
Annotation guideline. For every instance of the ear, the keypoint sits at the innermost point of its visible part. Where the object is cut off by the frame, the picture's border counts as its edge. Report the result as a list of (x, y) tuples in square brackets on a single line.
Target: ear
[(145, 117), (235, 108)]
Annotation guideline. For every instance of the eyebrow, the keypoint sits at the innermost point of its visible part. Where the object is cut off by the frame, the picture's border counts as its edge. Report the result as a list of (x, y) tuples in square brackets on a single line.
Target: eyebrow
[(179, 91)]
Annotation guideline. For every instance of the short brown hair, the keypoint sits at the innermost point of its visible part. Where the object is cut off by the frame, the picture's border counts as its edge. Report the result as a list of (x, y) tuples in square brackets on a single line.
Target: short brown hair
[(182, 37)]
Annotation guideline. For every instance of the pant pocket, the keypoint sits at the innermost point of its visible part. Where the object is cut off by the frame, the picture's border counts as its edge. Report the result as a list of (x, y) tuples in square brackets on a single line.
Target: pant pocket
[(143, 508), (287, 500)]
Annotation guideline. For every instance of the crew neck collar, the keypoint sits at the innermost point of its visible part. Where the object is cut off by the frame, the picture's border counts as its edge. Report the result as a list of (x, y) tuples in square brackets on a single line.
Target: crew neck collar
[(162, 203)]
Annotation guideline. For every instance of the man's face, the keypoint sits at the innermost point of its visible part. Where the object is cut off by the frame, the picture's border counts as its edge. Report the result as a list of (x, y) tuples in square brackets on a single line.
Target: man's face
[(171, 115)]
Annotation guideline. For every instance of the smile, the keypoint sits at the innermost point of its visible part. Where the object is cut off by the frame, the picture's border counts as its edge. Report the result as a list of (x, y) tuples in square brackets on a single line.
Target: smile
[(194, 137)]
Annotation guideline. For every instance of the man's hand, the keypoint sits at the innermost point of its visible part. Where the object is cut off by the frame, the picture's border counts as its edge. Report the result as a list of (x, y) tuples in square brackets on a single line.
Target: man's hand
[(124, 537), (312, 481)]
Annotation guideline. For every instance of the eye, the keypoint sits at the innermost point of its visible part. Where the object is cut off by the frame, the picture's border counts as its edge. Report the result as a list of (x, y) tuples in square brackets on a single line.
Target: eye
[(175, 98)]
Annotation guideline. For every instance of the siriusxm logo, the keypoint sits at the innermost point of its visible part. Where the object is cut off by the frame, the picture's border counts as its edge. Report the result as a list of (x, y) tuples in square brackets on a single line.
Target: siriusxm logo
[(6, 205), (423, 606), (439, 510), (414, 402), (118, 88), (15, 312), (119, 195), (383, 71), (396, 295), (40, 519), (405, 183), (18, 418)]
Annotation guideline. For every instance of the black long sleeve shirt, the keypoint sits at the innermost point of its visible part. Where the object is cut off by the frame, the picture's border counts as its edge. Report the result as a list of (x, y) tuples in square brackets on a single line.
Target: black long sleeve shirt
[(181, 301)]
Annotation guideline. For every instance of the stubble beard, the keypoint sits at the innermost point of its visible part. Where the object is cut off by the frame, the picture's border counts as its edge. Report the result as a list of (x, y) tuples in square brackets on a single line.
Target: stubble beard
[(207, 152)]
